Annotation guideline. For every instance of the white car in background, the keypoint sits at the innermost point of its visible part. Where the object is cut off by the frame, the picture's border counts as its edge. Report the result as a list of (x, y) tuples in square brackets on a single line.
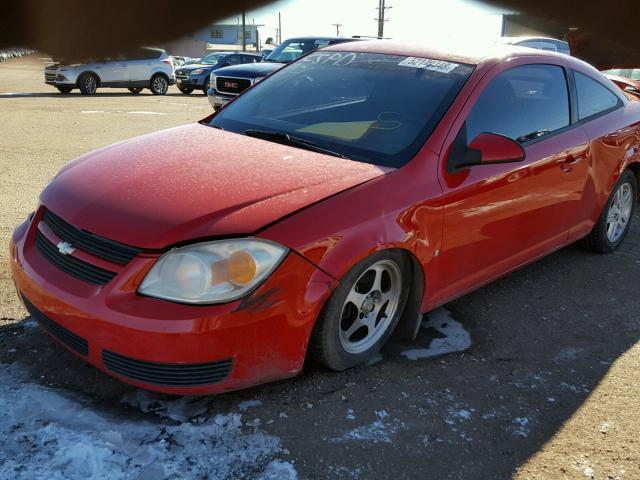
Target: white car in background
[(142, 68), (539, 43)]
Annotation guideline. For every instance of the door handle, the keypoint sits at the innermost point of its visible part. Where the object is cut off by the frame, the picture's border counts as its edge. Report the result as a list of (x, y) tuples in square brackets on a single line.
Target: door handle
[(573, 159), (570, 161)]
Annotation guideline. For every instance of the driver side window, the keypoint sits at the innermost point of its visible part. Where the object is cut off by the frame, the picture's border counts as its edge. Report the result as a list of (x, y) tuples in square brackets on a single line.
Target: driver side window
[(523, 103)]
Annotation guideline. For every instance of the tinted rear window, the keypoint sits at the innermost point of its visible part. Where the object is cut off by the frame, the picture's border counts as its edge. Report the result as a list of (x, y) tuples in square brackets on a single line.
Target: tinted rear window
[(593, 97)]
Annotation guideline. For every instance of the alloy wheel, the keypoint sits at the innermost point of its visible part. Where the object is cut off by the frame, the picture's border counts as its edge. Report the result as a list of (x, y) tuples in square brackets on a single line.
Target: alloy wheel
[(370, 306), (90, 84), (619, 213), (159, 84)]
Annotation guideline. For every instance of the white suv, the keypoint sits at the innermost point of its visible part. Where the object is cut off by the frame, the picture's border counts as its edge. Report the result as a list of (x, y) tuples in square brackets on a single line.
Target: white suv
[(143, 68)]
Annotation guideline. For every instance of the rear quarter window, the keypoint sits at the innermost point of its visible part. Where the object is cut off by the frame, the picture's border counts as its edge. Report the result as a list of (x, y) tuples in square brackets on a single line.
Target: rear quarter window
[(593, 97)]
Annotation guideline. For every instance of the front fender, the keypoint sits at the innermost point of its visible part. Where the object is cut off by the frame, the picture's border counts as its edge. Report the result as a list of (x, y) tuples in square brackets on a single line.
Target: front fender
[(391, 211)]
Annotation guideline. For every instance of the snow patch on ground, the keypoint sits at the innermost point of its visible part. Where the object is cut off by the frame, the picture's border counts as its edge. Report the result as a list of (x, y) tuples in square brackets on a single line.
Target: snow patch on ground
[(456, 338), (381, 430), (247, 404), (46, 434)]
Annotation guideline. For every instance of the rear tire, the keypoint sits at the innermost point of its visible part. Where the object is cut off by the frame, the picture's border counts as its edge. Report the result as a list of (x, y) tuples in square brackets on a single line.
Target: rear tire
[(613, 225), (362, 312), (64, 90), (159, 84), (185, 91), (135, 90), (88, 83)]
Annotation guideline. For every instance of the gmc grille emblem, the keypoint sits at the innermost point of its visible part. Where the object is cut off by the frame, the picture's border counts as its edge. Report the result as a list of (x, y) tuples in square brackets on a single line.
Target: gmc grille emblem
[(231, 84), (65, 248)]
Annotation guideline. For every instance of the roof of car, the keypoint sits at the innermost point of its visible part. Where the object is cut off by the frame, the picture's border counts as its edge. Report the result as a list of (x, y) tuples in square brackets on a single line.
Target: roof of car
[(471, 54)]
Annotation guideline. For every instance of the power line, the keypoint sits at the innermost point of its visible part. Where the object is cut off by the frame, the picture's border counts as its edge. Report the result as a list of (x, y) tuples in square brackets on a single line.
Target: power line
[(338, 25), (381, 20)]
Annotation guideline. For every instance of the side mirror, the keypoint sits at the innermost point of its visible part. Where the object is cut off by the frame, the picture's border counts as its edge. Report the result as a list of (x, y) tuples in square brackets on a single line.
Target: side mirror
[(485, 149), (496, 148)]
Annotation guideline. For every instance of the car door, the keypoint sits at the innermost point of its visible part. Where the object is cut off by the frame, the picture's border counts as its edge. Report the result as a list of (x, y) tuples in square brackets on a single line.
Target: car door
[(497, 217), (139, 65), (112, 70)]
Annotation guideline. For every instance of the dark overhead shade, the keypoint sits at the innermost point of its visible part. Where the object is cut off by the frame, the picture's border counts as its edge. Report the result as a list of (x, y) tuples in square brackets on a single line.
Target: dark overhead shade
[(603, 33)]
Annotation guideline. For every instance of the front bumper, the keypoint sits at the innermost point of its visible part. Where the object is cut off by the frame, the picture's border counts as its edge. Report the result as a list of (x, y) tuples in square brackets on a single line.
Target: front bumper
[(188, 81), (169, 347), (218, 100), (57, 79)]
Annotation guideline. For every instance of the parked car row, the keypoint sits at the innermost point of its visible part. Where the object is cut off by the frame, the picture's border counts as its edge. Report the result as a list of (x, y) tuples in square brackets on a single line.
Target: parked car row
[(196, 76), (227, 83), (390, 179)]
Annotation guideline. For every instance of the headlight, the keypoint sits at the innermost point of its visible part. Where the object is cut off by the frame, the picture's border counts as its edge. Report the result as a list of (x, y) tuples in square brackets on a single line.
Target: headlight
[(212, 272), (197, 71)]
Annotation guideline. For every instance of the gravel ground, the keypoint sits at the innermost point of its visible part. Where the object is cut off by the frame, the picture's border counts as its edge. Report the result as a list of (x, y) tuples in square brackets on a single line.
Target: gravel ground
[(540, 380)]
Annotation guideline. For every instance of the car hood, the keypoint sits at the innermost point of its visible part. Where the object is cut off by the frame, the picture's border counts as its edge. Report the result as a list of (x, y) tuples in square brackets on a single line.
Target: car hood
[(194, 182), (194, 66), (250, 70)]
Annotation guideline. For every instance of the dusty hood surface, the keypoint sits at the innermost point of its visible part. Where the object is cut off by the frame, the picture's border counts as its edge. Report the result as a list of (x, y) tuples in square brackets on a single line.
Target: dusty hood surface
[(194, 182)]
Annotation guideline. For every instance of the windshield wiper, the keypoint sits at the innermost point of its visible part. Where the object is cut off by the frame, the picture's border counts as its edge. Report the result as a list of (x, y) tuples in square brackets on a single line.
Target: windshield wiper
[(286, 139)]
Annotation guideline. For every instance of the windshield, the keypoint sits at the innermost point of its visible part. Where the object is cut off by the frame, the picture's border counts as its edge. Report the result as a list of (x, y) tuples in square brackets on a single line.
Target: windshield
[(294, 49), (211, 59), (632, 73), (368, 107)]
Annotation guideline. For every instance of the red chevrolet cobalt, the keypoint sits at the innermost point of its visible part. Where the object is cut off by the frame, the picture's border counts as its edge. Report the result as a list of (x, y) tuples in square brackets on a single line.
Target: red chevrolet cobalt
[(324, 209)]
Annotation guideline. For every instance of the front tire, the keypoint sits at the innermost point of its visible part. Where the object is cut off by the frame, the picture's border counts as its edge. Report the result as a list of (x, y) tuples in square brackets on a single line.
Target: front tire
[(185, 91), (205, 86), (64, 90), (363, 311), (159, 84), (613, 225), (135, 90), (88, 84)]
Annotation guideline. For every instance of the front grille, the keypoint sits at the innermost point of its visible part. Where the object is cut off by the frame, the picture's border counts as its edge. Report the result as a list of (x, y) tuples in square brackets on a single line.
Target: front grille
[(99, 246), (168, 374), (70, 339), (71, 265), (232, 85), (181, 76)]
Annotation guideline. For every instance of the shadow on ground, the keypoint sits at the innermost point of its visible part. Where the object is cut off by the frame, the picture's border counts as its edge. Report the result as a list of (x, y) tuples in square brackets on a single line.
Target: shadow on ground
[(542, 340)]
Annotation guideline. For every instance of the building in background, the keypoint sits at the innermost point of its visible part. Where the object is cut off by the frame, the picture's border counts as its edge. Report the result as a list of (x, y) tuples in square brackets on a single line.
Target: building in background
[(218, 37)]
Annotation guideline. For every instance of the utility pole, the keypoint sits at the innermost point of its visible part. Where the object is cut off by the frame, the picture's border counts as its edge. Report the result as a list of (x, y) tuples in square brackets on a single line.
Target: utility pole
[(279, 28), (381, 19), (337, 25), (244, 31)]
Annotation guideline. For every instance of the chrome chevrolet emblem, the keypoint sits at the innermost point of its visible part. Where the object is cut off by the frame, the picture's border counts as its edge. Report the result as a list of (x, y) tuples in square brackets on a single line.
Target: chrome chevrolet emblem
[(65, 248)]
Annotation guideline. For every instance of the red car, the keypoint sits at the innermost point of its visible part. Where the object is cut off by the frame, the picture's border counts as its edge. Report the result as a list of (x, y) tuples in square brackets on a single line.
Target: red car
[(324, 209)]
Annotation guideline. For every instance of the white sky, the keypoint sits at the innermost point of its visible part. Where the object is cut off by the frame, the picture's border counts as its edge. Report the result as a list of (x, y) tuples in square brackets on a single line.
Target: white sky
[(409, 20)]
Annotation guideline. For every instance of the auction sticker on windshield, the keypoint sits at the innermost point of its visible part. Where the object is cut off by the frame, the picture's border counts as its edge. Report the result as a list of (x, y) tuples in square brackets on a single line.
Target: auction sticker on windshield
[(428, 64)]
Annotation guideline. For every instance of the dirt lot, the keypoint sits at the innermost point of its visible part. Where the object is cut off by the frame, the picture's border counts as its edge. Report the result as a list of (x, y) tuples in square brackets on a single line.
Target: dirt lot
[(542, 382)]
